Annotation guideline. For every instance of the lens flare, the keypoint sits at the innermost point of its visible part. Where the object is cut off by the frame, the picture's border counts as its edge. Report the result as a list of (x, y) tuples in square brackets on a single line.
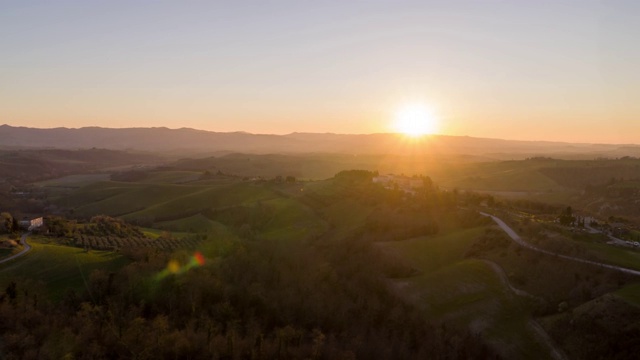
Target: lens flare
[(199, 258), (174, 267)]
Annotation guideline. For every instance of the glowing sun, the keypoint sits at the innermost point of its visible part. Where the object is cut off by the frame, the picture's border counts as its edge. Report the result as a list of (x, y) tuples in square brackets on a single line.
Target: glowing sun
[(415, 120)]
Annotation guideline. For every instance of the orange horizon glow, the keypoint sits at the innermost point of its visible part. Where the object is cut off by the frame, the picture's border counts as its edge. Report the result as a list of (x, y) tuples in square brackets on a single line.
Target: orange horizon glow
[(527, 130), (493, 73)]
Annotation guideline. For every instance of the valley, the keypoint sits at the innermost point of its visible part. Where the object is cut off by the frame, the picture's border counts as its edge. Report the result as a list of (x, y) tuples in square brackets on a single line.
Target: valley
[(434, 249)]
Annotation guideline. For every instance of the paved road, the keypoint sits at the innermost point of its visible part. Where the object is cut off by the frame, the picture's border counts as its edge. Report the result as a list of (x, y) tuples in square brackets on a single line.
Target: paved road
[(515, 237), (27, 247), (613, 239)]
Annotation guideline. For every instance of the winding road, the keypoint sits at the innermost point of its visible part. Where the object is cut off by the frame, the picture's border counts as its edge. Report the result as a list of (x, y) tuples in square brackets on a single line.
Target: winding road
[(515, 237), (26, 249)]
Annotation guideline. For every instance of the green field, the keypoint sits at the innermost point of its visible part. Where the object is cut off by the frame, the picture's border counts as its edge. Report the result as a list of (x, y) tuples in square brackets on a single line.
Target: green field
[(117, 198), (468, 292), (273, 211), (507, 176), (171, 177), (615, 255), (291, 220), (191, 224), (162, 202), (57, 267), (195, 199), (594, 247), (630, 293), (74, 181), (430, 253)]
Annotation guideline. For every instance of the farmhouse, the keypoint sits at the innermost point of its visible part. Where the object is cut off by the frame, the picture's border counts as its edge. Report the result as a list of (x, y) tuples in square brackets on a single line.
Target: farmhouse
[(404, 183), (382, 179), (30, 224)]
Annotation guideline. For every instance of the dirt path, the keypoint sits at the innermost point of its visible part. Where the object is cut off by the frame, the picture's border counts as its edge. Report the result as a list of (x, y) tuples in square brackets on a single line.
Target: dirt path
[(505, 280), (539, 332), (26, 249)]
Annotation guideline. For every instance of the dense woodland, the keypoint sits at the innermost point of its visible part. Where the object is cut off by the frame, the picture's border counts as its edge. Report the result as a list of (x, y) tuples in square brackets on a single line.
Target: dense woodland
[(324, 297)]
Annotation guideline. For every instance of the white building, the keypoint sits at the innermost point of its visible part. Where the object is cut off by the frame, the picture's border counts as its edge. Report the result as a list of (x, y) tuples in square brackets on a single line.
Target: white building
[(405, 183), (31, 224)]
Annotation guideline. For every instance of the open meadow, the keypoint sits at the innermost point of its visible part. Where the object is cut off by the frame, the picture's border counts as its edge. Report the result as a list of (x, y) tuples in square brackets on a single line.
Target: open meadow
[(58, 269)]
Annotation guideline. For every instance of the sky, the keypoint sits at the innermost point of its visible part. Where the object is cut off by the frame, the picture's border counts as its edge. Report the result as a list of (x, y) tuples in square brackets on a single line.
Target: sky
[(529, 70)]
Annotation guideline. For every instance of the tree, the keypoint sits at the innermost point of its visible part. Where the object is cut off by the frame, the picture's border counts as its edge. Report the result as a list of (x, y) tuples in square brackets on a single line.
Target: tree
[(206, 175), (11, 290), (427, 183), (566, 217), (6, 222)]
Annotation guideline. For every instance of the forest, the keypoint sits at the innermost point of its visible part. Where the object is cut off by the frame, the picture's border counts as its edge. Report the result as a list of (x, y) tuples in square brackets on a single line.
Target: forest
[(322, 297)]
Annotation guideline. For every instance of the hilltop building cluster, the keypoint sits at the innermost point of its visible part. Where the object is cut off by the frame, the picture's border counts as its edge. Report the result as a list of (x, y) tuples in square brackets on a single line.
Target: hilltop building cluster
[(405, 183)]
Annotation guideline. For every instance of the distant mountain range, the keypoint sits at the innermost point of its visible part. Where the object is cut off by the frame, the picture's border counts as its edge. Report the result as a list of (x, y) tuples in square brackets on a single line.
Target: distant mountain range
[(190, 141)]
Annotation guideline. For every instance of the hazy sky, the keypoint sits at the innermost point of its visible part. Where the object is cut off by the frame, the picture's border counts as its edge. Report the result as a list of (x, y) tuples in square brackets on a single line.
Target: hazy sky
[(543, 70)]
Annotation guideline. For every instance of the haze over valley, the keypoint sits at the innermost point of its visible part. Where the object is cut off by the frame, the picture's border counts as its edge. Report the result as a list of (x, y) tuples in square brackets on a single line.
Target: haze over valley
[(319, 180), (191, 141)]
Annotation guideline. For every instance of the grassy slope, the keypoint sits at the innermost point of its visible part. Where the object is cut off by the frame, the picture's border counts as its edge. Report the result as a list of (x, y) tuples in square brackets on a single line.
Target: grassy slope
[(114, 198), (501, 176), (141, 199), (630, 294), (603, 328), (74, 181), (593, 246), (292, 220), (58, 267), (191, 224), (344, 214), (200, 198), (177, 207), (531, 271), (172, 177), (448, 286), (468, 292), (431, 253), (615, 255)]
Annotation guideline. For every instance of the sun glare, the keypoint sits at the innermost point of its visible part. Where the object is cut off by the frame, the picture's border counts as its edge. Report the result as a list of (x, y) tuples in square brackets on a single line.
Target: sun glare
[(415, 120)]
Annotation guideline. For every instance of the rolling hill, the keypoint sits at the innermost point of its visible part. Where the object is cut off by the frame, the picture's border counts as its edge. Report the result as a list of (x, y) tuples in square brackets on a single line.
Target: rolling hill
[(190, 140)]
